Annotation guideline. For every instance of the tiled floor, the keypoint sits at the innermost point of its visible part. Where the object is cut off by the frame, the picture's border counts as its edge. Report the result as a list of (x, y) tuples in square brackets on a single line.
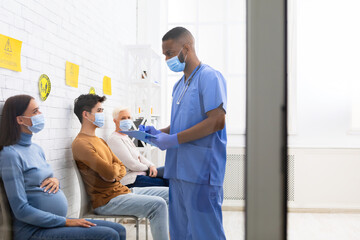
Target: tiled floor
[(233, 224), (302, 226)]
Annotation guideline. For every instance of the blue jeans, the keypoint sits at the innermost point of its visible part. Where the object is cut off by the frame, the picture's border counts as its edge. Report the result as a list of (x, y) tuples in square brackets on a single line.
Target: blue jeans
[(103, 230), (149, 202), (146, 181)]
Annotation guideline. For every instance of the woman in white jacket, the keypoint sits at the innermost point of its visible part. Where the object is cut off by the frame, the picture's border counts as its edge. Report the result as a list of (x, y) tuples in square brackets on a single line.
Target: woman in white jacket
[(140, 172)]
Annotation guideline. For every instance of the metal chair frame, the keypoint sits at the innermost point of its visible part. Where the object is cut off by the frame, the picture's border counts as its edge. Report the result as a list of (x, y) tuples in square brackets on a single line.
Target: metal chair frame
[(86, 210)]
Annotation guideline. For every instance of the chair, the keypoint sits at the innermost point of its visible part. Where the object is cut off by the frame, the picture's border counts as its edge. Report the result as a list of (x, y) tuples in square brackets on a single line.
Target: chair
[(6, 231), (86, 210)]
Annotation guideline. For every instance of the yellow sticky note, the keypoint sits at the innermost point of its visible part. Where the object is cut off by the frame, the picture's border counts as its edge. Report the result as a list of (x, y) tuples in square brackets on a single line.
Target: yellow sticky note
[(107, 85), (72, 74), (10, 52)]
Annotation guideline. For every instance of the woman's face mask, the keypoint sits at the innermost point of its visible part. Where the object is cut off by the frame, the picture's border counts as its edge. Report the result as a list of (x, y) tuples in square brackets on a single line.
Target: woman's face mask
[(126, 124), (38, 123)]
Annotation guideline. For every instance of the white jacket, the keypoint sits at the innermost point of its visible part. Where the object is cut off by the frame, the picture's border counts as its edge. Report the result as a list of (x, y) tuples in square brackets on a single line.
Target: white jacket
[(135, 163)]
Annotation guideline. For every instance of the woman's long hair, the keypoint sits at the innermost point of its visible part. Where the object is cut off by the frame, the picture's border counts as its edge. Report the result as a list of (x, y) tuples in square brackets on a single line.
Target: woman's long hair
[(9, 128)]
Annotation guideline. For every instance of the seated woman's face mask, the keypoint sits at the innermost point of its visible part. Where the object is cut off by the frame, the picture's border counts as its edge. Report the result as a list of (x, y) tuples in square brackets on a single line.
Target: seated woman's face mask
[(38, 123), (126, 124)]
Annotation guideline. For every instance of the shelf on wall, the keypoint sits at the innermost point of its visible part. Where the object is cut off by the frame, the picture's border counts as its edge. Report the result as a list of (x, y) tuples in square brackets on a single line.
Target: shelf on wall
[(143, 72)]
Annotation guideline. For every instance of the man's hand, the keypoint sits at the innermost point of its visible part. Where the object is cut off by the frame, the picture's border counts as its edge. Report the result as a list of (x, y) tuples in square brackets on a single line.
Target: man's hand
[(78, 223), (165, 141), (52, 184), (149, 129), (107, 180), (152, 171)]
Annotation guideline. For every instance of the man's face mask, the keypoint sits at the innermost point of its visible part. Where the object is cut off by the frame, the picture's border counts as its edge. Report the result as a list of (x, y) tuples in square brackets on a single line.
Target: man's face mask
[(174, 63), (99, 119)]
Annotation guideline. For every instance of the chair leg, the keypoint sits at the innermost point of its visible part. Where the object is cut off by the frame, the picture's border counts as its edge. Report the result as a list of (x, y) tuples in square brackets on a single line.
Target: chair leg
[(146, 228), (137, 229)]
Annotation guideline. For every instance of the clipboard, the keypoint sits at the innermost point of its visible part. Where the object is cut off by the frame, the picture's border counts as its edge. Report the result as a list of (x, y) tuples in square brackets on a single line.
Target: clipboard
[(140, 135)]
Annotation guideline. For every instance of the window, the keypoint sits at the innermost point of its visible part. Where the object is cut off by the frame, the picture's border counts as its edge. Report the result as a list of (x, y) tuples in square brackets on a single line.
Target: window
[(292, 73), (220, 41)]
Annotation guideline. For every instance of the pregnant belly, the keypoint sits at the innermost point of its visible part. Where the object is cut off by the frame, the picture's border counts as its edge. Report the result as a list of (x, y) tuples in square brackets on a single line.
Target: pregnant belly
[(49, 202)]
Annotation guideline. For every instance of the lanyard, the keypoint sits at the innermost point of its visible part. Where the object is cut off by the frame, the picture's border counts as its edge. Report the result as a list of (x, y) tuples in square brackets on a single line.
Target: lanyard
[(187, 85)]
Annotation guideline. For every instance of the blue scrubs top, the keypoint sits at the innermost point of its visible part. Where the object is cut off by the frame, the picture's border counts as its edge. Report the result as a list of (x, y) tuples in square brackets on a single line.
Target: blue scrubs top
[(201, 161)]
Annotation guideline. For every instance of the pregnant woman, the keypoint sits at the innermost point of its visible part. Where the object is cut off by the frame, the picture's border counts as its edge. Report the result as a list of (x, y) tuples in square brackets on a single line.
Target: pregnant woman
[(36, 200)]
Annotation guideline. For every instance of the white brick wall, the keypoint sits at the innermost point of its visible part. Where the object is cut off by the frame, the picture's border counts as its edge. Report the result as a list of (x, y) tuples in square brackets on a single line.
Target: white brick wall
[(89, 33)]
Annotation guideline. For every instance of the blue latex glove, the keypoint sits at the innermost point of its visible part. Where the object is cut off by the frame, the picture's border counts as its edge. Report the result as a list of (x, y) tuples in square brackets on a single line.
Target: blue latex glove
[(165, 141), (149, 129)]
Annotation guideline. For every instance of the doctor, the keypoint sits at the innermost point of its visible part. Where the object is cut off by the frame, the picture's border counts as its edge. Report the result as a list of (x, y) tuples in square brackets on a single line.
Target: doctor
[(195, 142)]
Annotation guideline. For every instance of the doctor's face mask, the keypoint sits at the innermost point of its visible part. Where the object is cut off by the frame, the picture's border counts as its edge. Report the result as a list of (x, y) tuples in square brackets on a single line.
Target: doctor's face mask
[(174, 63)]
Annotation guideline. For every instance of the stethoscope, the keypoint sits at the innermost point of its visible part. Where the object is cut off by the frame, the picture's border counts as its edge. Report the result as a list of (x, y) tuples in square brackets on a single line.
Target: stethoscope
[(187, 85)]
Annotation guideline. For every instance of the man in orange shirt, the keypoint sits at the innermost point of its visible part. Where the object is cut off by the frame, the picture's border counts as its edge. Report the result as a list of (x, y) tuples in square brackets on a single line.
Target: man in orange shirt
[(101, 171)]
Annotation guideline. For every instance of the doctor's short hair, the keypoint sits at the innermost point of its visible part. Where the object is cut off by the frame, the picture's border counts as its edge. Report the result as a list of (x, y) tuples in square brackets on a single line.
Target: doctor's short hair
[(176, 33), (86, 102), (118, 110)]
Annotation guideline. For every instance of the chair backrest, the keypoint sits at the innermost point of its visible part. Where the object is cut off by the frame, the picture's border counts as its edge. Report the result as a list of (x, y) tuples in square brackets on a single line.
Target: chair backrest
[(85, 203), (6, 224)]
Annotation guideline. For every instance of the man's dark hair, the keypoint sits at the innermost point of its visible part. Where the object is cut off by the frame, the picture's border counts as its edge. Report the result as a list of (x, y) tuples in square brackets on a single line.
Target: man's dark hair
[(176, 33), (9, 128), (86, 102)]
